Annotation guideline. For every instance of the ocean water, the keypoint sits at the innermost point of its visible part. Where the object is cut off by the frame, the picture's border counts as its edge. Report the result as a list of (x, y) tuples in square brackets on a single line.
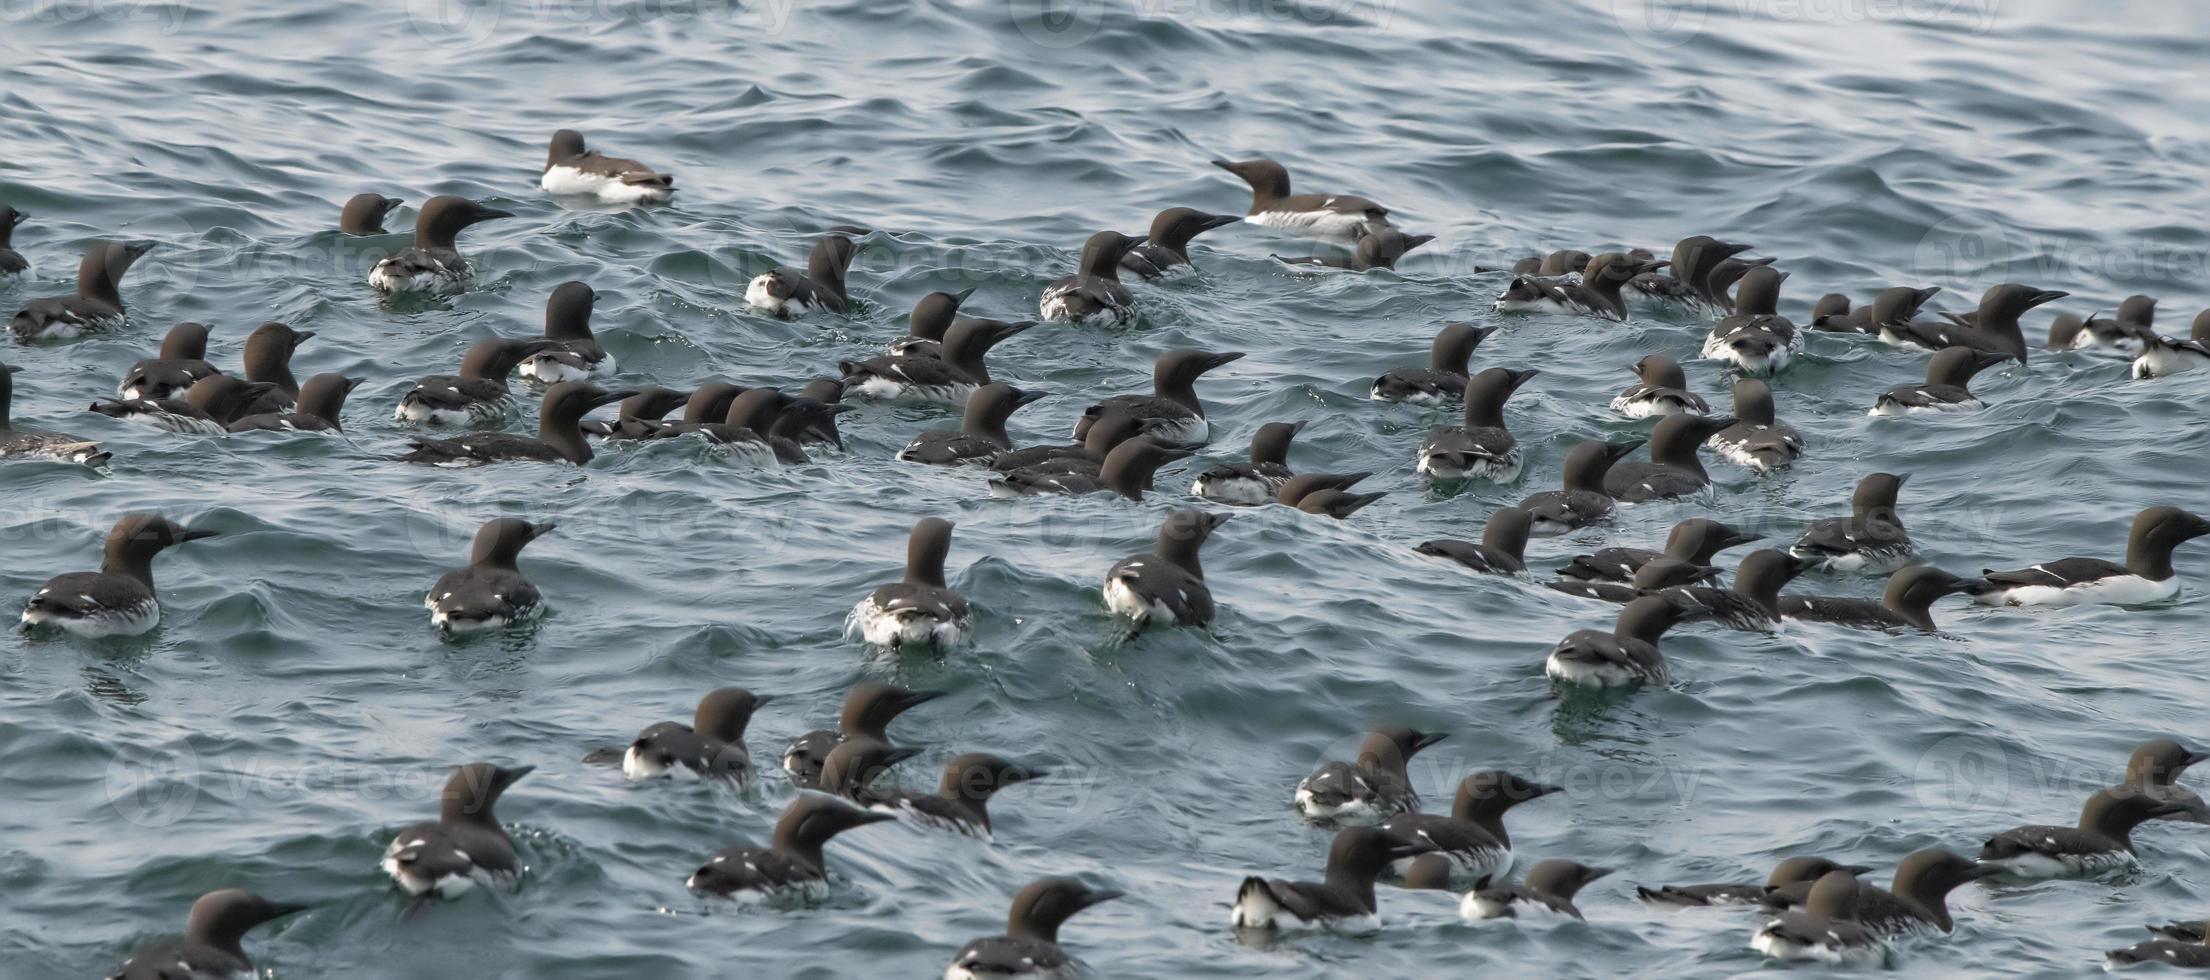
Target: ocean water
[(294, 709)]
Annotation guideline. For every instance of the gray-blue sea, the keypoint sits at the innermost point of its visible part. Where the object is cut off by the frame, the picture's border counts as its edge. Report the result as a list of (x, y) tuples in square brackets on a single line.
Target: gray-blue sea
[(294, 709)]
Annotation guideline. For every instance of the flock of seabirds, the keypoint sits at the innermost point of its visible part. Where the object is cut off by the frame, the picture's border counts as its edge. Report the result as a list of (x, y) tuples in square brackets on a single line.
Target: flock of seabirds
[(1813, 908)]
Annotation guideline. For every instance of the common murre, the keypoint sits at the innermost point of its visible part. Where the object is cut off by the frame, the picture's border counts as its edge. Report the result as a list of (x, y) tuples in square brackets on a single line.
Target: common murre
[(1167, 586), (921, 610), (1503, 546), (572, 169), (96, 305), (432, 263), (1583, 501), (2146, 577), (1094, 290), (1481, 447), (1370, 789), (1030, 946), (465, 846), (1340, 218), (786, 292), (117, 600), (491, 592), (1445, 376)]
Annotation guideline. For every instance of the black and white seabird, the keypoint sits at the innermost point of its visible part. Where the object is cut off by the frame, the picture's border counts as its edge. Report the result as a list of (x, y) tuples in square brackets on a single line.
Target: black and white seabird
[(1661, 390), (1030, 949), (2146, 577), (867, 711), (12, 262), (1948, 377), (1656, 574), (1692, 260), (1327, 494), (949, 375), (1823, 928), (1584, 501), (710, 747), (1167, 586), (1445, 376), (1625, 654), (559, 434), (961, 803), (1918, 901), (2127, 334), (2169, 952), (1906, 603), (786, 292), (2102, 840), (570, 352), (2167, 356), (465, 846), (1751, 601), (1755, 338), (208, 407), (1127, 471), (921, 610), (475, 396), (1792, 875), (268, 360), (183, 360), (364, 214), (432, 263), (1871, 539), (639, 416), (1547, 891), (1171, 414), (1339, 218), (1891, 314), (1085, 457), (1993, 327), (708, 405), (97, 304), (213, 944), (792, 863), (1832, 314), (765, 426), (2153, 770), (1694, 541), (1370, 789), (1342, 902), (1503, 546), (1472, 839), (1256, 482), (1674, 469), (1377, 248), (981, 434), (1094, 291), (117, 600), (1722, 276), (1596, 294), (316, 410), (490, 592), (1481, 448), (33, 444), (571, 169), (1757, 440), (925, 326), (1165, 251)]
